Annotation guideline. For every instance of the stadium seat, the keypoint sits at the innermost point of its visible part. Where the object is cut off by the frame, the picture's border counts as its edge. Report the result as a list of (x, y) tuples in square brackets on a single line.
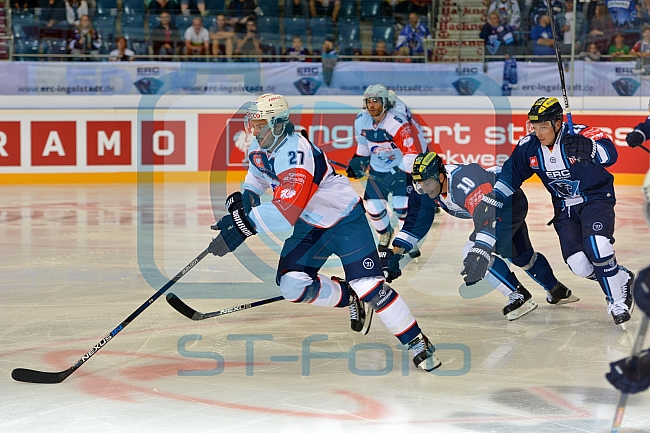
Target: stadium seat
[(350, 48), (140, 48), (321, 27), (384, 33), (349, 30), (152, 21), (106, 7), (105, 26), (183, 22), (133, 7), (270, 49), (294, 26), (133, 27), (348, 9), (24, 46), (215, 6), (270, 8), (24, 26), (370, 9), (269, 29), (54, 46)]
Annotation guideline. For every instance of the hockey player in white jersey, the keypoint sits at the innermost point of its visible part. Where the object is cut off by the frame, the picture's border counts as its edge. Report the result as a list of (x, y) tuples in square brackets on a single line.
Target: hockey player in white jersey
[(326, 217), (386, 148), (405, 111)]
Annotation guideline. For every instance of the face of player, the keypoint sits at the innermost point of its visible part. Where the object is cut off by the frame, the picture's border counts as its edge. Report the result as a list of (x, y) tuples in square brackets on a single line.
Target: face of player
[(431, 187), (375, 107), (546, 131)]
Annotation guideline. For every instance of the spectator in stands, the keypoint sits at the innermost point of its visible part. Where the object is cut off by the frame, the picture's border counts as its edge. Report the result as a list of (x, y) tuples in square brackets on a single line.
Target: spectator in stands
[(390, 8), (380, 53), (642, 50), (156, 6), (296, 8), (239, 11), (200, 6), (248, 44), (509, 13), (496, 35), (165, 37), (74, 10), (85, 40), (297, 52), (121, 53), (602, 29), (197, 39), (21, 6), (329, 58), (222, 35), (643, 11), (542, 37), (413, 36), (420, 7), (325, 8), (53, 13), (623, 12), (540, 8), (591, 55), (619, 50), (564, 24), (403, 54)]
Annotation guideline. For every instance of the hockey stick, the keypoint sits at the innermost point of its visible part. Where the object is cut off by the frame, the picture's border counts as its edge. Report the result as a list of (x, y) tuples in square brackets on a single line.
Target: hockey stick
[(644, 148), (560, 68), (636, 350), (34, 376), (191, 313)]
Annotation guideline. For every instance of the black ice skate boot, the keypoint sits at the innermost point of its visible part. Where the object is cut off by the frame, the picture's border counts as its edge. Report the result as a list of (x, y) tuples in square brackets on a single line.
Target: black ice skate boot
[(560, 294), (385, 238), (519, 303), (360, 312), (619, 311), (629, 298), (423, 353)]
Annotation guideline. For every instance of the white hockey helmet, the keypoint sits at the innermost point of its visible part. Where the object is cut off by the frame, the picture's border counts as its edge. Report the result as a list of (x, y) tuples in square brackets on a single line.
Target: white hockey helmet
[(377, 91), (392, 97), (270, 107)]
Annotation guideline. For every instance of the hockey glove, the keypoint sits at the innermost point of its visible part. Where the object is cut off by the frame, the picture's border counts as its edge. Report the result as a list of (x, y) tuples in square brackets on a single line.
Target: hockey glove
[(630, 377), (635, 138), (394, 181), (476, 264), (235, 227), (642, 290), (390, 264), (358, 166), (580, 148), (487, 212), (250, 200)]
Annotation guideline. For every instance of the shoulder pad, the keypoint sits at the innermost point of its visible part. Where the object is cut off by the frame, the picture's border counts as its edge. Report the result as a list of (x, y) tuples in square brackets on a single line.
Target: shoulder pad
[(525, 140), (360, 115)]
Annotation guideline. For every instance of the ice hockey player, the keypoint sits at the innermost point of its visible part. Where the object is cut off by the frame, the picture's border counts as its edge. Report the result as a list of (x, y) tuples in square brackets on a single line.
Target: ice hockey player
[(385, 146), (628, 375), (416, 128), (640, 133), (571, 165), (458, 190), (326, 217)]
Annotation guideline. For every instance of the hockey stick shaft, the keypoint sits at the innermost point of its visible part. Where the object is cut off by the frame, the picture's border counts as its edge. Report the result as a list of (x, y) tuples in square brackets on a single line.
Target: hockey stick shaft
[(636, 350), (560, 67), (187, 311), (33, 376), (644, 148)]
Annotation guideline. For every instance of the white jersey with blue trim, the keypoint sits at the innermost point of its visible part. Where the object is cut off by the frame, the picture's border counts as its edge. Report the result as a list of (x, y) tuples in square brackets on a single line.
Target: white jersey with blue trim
[(570, 182), (304, 186), (405, 111), (389, 143)]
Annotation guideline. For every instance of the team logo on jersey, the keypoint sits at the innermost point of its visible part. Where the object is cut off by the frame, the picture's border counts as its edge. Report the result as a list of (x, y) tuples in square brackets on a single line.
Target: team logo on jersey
[(566, 188), (598, 226), (534, 164), (287, 194), (368, 263)]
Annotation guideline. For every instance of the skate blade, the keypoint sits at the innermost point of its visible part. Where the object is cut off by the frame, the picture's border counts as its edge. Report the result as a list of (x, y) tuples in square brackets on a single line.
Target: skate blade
[(526, 308), (427, 366), (368, 322), (572, 298)]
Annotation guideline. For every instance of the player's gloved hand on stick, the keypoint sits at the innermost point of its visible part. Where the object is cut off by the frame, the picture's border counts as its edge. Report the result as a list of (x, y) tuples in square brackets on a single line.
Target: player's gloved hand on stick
[(394, 180), (235, 227), (390, 263), (642, 290), (476, 264), (635, 138), (579, 147), (358, 166), (250, 200), (630, 376), (487, 211)]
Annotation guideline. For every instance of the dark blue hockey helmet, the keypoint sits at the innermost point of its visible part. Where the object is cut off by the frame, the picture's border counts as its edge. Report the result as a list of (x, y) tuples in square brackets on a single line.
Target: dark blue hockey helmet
[(545, 109)]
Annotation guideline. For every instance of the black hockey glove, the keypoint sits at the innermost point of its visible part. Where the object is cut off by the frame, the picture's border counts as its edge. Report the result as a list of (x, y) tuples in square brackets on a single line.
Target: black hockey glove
[(642, 290), (476, 264), (250, 200), (635, 138), (579, 147), (630, 377), (235, 227), (390, 264), (487, 212), (394, 181), (358, 166)]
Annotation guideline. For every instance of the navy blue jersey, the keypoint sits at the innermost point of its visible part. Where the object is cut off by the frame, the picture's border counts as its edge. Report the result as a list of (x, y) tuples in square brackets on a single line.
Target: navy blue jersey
[(644, 128), (466, 185), (570, 182)]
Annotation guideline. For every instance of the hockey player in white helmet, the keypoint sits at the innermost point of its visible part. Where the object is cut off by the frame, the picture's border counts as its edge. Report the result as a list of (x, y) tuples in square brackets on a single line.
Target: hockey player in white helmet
[(386, 148), (326, 217)]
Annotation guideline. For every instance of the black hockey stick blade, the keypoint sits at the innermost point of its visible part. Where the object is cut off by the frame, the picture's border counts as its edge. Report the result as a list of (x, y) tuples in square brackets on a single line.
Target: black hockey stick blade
[(189, 312), (33, 376)]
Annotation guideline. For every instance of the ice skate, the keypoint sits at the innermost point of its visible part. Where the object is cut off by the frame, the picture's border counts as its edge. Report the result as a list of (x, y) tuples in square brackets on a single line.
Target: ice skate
[(560, 294), (385, 238), (629, 299), (415, 254), (423, 353), (360, 312), (619, 311), (519, 304)]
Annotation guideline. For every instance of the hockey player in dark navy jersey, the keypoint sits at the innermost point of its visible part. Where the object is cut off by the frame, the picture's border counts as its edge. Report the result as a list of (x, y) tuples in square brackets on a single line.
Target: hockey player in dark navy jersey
[(458, 190), (640, 133), (572, 167)]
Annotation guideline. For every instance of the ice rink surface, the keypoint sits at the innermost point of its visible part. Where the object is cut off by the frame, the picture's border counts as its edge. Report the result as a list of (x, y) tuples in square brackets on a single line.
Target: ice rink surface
[(77, 260)]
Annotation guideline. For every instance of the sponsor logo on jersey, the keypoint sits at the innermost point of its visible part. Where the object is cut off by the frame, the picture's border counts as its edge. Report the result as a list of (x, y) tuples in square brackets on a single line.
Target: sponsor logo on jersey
[(534, 164), (598, 226), (368, 263), (593, 133)]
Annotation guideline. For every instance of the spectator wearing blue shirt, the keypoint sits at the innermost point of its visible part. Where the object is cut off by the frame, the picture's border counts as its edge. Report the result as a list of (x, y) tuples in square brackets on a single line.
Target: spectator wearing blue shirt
[(542, 37), (413, 36)]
